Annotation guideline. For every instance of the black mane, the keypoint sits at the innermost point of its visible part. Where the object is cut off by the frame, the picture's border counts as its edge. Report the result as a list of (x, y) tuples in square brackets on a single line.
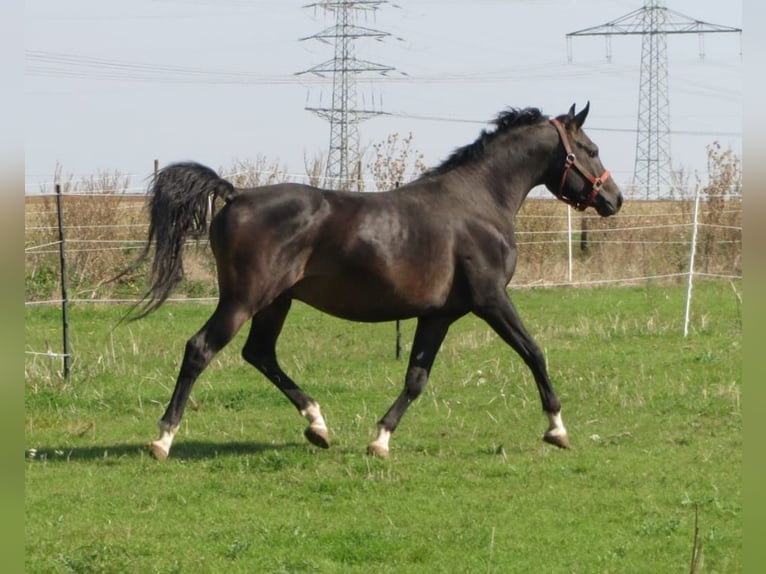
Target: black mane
[(507, 120)]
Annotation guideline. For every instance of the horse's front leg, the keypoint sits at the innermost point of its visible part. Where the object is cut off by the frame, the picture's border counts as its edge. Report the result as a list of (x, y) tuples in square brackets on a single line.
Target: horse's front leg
[(429, 334), (500, 314)]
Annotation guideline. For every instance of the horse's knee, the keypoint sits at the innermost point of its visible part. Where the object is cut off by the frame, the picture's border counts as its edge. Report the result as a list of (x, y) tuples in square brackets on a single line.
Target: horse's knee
[(415, 382), (536, 355)]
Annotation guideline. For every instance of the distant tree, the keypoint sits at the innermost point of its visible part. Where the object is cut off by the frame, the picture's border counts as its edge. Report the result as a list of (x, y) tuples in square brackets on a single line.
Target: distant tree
[(254, 173), (395, 162), (315, 169), (719, 239)]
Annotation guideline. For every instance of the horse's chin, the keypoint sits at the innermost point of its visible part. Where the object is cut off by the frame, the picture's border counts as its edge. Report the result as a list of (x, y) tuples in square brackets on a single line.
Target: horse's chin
[(605, 210)]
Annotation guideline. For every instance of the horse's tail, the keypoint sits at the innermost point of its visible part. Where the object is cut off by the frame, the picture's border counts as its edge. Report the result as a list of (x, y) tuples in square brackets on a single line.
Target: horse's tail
[(181, 195)]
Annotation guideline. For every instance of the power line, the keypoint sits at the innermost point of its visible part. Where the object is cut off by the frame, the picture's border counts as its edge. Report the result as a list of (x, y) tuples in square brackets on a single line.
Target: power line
[(76, 66), (56, 64)]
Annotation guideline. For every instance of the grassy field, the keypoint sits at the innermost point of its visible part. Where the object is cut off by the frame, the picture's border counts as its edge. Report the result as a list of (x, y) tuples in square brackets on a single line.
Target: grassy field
[(654, 419)]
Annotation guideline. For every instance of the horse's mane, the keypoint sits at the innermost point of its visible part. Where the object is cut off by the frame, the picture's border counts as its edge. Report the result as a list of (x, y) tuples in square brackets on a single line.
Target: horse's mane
[(505, 121)]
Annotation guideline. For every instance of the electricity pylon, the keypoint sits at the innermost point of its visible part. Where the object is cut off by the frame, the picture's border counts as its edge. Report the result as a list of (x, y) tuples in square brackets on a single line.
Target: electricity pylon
[(343, 160), (652, 171)]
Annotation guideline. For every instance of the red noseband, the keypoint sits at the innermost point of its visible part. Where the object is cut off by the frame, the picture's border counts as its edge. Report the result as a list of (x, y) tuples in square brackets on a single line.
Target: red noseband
[(571, 162)]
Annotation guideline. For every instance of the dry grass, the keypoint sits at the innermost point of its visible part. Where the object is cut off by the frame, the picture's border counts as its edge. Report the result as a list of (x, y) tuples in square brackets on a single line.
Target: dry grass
[(103, 228), (647, 239)]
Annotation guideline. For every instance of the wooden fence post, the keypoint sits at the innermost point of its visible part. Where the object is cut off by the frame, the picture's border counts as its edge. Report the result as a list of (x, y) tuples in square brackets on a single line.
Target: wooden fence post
[(64, 291)]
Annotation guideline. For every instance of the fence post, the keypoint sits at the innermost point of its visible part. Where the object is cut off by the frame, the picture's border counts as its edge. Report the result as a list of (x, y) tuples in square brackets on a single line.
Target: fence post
[(64, 291), (695, 225)]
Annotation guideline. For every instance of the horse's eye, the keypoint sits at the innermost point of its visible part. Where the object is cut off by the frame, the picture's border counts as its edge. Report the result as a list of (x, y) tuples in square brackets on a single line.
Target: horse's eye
[(593, 153)]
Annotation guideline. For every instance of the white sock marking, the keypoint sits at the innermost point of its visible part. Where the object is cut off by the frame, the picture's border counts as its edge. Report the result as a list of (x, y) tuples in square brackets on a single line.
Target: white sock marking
[(314, 416), (383, 438), (556, 426), (167, 433)]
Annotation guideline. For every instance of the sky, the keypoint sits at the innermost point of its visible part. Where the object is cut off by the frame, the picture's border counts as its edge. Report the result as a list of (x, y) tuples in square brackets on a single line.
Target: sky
[(112, 86)]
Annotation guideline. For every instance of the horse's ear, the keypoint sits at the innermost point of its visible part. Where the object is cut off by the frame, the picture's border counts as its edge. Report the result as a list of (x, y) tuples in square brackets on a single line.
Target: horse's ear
[(579, 119), (571, 114)]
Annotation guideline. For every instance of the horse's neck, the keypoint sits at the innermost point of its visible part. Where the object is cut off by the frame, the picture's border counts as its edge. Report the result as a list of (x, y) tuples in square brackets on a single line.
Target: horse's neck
[(511, 182), (505, 176)]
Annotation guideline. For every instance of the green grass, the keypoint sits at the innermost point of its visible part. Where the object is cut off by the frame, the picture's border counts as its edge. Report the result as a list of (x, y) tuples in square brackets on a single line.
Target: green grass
[(654, 419)]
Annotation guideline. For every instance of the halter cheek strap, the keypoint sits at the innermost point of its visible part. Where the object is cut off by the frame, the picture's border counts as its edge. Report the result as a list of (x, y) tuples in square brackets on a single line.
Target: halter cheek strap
[(572, 162)]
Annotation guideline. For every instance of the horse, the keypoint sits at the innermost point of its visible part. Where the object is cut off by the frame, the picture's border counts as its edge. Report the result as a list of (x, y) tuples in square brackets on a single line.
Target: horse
[(435, 249)]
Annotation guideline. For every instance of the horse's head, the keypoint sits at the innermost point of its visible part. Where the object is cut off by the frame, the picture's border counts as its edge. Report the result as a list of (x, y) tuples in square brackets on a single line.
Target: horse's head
[(577, 175)]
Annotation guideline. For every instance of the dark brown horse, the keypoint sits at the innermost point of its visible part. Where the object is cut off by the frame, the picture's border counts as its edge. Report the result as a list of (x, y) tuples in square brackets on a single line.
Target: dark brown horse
[(437, 248)]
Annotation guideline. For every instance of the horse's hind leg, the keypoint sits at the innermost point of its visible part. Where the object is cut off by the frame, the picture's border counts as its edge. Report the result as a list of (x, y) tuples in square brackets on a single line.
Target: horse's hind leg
[(260, 351), (429, 335), (200, 350)]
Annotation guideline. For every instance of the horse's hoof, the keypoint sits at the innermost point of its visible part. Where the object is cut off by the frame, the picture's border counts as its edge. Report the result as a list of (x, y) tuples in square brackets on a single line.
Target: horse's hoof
[(559, 440), (374, 449), (157, 451), (317, 436)]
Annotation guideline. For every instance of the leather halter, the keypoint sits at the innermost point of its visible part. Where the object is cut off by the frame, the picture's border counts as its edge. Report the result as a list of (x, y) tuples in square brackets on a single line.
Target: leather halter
[(571, 162)]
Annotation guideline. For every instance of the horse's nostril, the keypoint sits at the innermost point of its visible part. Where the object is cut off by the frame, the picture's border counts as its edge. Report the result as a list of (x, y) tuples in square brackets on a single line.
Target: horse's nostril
[(619, 201)]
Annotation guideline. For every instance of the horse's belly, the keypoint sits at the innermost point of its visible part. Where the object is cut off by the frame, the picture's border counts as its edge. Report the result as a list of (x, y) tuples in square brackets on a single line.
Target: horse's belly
[(360, 299)]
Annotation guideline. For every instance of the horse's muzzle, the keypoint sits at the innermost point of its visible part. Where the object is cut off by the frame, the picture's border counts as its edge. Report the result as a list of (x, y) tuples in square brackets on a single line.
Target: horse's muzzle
[(607, 204)]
